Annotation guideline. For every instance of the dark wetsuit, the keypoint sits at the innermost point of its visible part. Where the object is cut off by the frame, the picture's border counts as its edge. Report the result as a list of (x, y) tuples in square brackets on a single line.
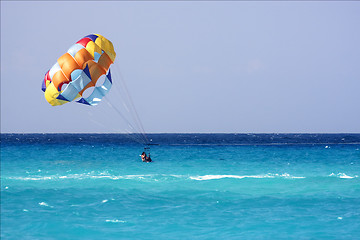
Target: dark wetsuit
[(145, 158)]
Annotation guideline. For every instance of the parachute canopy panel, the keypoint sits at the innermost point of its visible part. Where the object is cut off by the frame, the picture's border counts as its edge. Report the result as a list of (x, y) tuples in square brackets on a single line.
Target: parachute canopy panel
[(79, 69)]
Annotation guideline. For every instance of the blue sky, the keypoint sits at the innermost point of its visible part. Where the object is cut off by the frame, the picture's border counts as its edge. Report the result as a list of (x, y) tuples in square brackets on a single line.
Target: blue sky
[(246, 67)]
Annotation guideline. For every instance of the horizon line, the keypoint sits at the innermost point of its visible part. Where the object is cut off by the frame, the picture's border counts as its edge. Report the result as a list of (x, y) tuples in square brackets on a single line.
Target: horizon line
[(124, 133)]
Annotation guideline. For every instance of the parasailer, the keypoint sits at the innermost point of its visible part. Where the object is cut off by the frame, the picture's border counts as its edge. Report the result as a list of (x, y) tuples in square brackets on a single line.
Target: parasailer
[(83, 75), (79, 70), (145, 158)]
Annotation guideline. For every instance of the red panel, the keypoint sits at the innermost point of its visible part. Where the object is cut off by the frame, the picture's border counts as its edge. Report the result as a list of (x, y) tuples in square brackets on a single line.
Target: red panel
[(84, 41), (47, 77)]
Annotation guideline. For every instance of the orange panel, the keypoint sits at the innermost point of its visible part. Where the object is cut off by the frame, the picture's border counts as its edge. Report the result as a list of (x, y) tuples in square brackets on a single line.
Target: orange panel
[(90, 84), (59, 79), (68, 64), (82, 56), (96, 71), (105, 61)]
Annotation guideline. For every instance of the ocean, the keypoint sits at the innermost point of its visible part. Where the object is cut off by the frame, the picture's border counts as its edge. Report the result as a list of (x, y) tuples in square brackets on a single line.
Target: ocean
[(199, 186)]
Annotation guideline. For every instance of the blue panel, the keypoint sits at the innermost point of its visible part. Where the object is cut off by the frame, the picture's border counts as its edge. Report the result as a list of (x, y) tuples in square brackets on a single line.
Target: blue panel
[(83, 101), (106, 86), (75, 74), (95, 97), (92, 37), (109, 76), (99, 93), (43, 87), (86, 71), (81, 81), (61, 97), (70, 92), (96, 56)]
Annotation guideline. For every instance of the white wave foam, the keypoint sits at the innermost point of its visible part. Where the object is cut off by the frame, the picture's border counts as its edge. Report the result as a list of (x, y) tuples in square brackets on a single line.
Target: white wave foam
[(71, 176), (210, 177), (31, 178), (269, 175), (115, 221), (149, 177), (286, 175), (342, 175), (345, 176), (45, 204)]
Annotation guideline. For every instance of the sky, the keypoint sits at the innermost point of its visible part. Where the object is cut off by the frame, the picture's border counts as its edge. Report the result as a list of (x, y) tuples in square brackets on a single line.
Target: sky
[(190, 66)]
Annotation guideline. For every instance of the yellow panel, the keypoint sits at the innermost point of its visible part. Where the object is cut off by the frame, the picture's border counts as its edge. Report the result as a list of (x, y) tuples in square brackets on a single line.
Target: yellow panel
[(107, 46), (51, 93), (92, 47)]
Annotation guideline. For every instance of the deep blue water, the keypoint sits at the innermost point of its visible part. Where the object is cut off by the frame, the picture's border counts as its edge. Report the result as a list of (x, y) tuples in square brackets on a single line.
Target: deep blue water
[(200, 186)]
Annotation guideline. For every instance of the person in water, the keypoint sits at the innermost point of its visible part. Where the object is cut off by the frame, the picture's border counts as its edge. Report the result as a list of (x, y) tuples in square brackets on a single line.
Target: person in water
[(145, 158)]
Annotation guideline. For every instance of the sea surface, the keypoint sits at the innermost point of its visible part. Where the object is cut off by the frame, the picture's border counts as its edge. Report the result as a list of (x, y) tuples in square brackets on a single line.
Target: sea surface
[(200, 186)]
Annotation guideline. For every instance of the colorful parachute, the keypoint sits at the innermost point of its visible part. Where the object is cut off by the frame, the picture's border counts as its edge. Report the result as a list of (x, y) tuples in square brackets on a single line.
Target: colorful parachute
[(79, 70)]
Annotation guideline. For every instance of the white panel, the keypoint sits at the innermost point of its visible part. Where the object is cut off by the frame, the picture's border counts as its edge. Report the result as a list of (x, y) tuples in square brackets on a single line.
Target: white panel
[(74, 49), (54, 69)]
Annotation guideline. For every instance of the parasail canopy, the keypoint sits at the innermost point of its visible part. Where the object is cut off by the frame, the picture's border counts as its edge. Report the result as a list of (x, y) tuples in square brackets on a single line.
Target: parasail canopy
[(76, 74)]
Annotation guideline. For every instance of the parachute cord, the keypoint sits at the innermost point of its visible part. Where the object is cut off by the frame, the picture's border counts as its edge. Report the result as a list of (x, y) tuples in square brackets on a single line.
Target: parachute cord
[(135, 124), (131, 106), (135, 137), (93, 119), (129, 101), (128, 134), (140, 140), (131, 135)]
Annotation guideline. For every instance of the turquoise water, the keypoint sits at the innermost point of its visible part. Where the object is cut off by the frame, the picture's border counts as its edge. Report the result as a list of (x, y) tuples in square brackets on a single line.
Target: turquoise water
[(198, 187)]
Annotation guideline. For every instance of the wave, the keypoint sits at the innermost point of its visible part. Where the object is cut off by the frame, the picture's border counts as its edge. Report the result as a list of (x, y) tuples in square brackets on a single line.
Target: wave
[(44, 204), (167, 177), (79, 177), (115, 221), (82, 176), (342, 175), (154, 177), (269, 175)]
